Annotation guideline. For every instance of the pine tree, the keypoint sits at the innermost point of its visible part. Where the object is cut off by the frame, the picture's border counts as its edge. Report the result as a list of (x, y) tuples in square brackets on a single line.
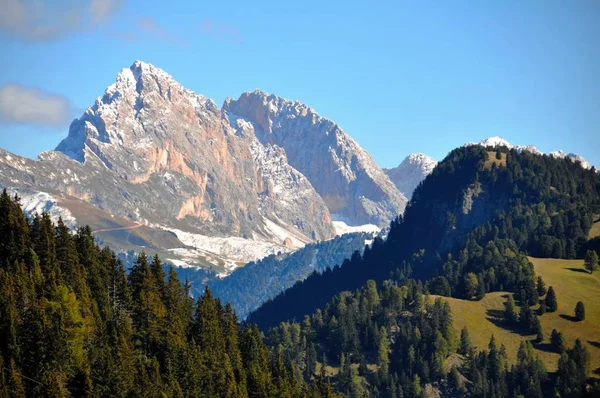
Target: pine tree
[(558, 340), (537, 329), (541, 287), (551, 302), (510, 310), (465, 346), (591, 261), (383, 352), (579, 311)]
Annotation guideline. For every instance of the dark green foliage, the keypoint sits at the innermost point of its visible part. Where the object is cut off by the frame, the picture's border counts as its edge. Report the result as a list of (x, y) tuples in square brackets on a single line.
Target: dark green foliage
[(253, 284), (542, 310), (510, 311), (72, 323), (471, 225), (573, 367), (541, 287), (558, 341), (591, 261), (465, 346), (551, 302), (579, 311)]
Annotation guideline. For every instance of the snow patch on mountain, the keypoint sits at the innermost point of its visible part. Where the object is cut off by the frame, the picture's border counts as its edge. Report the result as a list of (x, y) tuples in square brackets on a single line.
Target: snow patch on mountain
[(342, 228), (232, 251), (573, 156), (43, 202), (497, 141)]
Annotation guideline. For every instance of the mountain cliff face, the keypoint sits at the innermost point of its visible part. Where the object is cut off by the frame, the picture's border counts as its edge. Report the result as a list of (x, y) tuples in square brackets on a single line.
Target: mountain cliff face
[(354, 188), (409, 174), (152, 152)]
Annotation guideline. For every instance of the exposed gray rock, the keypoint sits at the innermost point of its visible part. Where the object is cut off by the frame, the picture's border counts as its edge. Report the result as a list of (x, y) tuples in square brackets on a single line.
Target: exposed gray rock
[(153, 152), (409, 174), (354, 188)]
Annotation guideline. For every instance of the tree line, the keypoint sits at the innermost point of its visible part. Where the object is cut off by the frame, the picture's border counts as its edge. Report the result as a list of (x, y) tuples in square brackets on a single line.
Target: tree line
[(74, 323)]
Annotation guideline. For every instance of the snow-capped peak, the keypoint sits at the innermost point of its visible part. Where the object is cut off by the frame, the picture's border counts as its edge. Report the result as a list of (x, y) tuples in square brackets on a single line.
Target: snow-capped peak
[(495, 141), (498, 141), (409, 174), (573, 156)]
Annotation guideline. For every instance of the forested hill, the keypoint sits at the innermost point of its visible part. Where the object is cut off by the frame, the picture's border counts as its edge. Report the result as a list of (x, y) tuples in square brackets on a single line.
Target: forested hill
[(250, 286), (466, 230), (74, 324)]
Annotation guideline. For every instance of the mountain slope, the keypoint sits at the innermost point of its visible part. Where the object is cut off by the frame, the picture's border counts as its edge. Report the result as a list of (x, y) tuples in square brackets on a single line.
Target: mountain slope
[(409, 174), (354, 188), (250, 286), (152, 152), (471, 214)]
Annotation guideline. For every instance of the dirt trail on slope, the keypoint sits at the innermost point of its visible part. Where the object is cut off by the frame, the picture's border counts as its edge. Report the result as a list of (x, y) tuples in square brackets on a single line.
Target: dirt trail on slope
[(117, 229)]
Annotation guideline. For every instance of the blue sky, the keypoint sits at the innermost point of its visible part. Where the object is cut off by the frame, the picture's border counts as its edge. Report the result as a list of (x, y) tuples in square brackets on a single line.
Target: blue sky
[(399, 77)]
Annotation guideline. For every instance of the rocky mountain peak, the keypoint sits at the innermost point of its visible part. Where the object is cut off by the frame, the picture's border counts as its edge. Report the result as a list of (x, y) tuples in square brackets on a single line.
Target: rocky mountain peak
[(206, 170), (115, 124), (409, 174), (354, 188)]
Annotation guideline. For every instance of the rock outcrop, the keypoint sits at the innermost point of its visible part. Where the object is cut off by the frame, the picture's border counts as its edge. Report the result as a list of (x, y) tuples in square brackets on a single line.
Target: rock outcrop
[(409, 174), (354, 188), (153, 152)]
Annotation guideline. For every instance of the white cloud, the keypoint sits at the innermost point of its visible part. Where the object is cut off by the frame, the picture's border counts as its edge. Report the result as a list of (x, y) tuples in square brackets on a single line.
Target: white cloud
[(44, 20), (101, 10), (25, 105)]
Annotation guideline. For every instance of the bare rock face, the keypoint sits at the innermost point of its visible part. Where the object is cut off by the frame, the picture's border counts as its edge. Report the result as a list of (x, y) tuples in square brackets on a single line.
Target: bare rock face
[(409, 174), (354, 188), (151, 151)]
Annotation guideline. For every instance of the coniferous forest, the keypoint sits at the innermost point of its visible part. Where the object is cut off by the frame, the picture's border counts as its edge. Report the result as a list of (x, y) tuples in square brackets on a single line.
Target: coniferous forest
[(73, 323), (467, 231)]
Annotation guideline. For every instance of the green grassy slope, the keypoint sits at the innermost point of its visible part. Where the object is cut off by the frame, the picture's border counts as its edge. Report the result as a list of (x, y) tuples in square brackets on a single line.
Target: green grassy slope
[(571, 283)]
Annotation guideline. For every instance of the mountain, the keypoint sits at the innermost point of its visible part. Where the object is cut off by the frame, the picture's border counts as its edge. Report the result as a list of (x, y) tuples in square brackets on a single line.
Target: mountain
[(150, 153), (250, 286), (497, 141), (409, 174), (474, 214), (573, 156), (354, 188)]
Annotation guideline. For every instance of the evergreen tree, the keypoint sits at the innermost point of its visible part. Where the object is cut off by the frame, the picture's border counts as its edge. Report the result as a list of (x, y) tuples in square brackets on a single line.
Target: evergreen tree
[(510, 310), (465, 346), (591, 261), (557, 340), (551, 302), (579, 311), (541, 287)]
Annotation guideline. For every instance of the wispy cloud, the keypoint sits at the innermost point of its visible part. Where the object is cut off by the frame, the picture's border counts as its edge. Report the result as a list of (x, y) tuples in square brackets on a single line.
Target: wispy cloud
[(27, 105), (153, 28), (149, 28), (221, 30), (47, 20)]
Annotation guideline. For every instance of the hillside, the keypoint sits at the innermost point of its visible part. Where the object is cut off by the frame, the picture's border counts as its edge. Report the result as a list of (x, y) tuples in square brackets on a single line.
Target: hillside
[(482, 318), (474, 216), (250, 286)]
